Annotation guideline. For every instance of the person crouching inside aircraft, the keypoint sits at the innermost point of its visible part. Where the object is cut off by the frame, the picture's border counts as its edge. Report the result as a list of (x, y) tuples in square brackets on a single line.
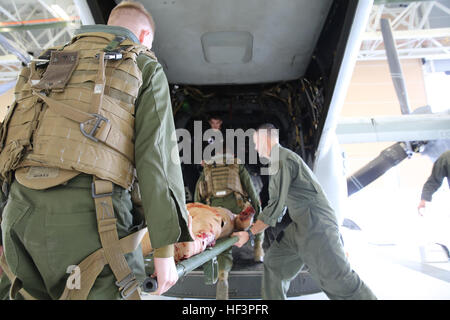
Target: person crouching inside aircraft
[(313, 236), (226, 183)]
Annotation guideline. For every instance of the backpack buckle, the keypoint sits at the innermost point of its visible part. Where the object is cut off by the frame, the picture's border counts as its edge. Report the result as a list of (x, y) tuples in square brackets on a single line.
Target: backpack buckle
[(111, 55), (127, 286), (98, 120)]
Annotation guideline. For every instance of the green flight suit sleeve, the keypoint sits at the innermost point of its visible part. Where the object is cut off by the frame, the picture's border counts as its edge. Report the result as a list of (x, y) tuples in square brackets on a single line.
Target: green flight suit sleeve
[(160, 177), (2, 206), (248, 186), (197, 197), (440, 170), (278, 190)]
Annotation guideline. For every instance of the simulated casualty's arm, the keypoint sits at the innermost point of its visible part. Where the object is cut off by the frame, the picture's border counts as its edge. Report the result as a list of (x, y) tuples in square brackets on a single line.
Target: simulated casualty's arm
[(208, 225)]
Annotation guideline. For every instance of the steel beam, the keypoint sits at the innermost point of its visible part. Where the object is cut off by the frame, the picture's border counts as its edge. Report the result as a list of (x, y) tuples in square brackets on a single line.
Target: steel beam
[(394, 66), (410, 34), (410, 127), (34, 26), (84, 12), (22, 56), (377, 2)]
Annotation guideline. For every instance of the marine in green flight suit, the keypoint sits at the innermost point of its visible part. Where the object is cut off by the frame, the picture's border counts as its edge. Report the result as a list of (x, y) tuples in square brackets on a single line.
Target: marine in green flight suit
[(45, 231), (313, 236), (225, 259), (441, 170)]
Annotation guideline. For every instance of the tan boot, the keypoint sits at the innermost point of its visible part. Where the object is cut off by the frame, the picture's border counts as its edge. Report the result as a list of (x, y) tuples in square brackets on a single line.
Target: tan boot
[(258, 252), (222, 286)]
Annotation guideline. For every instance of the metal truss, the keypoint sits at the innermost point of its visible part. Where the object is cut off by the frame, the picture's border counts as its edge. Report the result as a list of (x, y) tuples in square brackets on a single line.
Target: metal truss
[(414, 37), (9, 67), (29, 26)]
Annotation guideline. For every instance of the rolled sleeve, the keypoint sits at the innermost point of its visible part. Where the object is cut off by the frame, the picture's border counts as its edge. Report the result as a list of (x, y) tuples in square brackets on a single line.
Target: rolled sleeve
[(160, 177), (164, 252), (278, 190), (249, 188), (438, 173), (197, 197)]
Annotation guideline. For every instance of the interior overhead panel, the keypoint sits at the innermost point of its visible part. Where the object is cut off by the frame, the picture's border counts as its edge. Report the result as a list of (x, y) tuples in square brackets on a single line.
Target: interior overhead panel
[(236, 42)]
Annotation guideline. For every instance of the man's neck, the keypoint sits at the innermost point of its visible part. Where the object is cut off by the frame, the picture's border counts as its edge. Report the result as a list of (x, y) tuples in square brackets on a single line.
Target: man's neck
[(273, 147)]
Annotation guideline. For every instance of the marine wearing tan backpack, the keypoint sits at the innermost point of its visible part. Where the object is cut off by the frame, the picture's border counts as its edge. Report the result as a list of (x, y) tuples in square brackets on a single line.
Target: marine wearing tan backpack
[(221, 178), (64, 121), (74, 113), (226, 183)]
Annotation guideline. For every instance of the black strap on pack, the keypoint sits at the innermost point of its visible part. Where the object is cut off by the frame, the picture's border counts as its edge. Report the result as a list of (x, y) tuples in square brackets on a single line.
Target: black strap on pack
[(112, 50)]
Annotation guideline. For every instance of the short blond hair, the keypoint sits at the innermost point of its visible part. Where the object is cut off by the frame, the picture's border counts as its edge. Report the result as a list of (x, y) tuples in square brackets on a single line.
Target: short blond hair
[(134, 5)]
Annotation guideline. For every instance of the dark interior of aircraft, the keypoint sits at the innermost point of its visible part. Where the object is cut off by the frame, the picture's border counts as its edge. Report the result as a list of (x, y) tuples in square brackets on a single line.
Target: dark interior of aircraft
[(297, 108)]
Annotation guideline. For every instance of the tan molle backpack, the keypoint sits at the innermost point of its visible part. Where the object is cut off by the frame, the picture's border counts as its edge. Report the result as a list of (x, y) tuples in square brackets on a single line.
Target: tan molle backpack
[(74, 112), (221, 179)]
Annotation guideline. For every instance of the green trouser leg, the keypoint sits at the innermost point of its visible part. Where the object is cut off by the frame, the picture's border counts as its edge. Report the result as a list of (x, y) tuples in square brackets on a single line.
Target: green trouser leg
[(4, 287), (258, 251), (45, 232), (281, 266), (225, 263), (325, 257), (225, 260)]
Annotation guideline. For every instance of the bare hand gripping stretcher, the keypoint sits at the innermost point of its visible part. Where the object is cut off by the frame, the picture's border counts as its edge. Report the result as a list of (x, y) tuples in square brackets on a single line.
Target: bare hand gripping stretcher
[(184, 267), (211, 228)]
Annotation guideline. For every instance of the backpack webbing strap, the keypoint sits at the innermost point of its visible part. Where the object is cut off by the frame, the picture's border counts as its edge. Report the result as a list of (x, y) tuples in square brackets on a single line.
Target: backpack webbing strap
[(91, 267), (102, 191), (100, 127), (16, 284)]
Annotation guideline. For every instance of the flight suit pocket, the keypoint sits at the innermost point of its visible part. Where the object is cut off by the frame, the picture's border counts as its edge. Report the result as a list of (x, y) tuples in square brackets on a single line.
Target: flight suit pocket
[(70, 237), (12, 214)]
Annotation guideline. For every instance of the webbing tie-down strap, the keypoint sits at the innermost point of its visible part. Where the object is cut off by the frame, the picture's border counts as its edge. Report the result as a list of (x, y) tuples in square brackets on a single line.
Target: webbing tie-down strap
[(102, 130), (89, 270), (16, 285), (102, 191), (91, 267)]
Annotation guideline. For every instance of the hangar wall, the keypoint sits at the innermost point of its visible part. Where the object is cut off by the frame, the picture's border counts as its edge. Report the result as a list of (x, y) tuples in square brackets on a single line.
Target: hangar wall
[(371, 93), (393, 198)]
